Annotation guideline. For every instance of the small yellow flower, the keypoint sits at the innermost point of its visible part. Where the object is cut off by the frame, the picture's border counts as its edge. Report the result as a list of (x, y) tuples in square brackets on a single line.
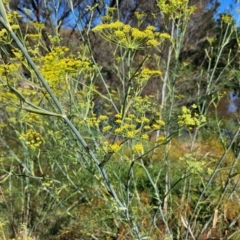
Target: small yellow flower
[(128, 119), (144, 119), (131, 115), (126, 126), (139, 15), (118, 121), (152, 42), (160, 122), (106, 128), (118, 115), (32, 139), (119, 34), (160, 139), (151, 28), (155, 126), (126, 28), (145, 136), (118, 59), (139, 148), (118, 130), (114, 147), (211, 40), (112, 9), (147, 127), (226, 18), (131, 134), (102, 117), (132, 126), (189, 118), (165, 35)]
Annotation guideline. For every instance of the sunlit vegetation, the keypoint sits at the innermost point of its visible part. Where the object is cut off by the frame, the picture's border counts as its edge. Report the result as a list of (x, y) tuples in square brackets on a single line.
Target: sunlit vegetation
[(135, 147)]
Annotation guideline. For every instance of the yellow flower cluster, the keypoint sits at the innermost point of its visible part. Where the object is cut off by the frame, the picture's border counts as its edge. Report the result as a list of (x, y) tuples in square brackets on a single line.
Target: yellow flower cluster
[(159, 123), (211, 40), (226, 18), (111, 148), (38, 26), (132, 126), (92, 121), (4, 36), (146, 73), (160, 139), (139, 148), (103, 117), (165, 36), (47, 184), (13, 19), (95, 122), (106, 128), (194, 165), (31, 118), (190, 118), (142, 105), (11, 68), (176, 8), (58, 63), (127, 36), (140, 15), (8, 97), (32, 139)]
